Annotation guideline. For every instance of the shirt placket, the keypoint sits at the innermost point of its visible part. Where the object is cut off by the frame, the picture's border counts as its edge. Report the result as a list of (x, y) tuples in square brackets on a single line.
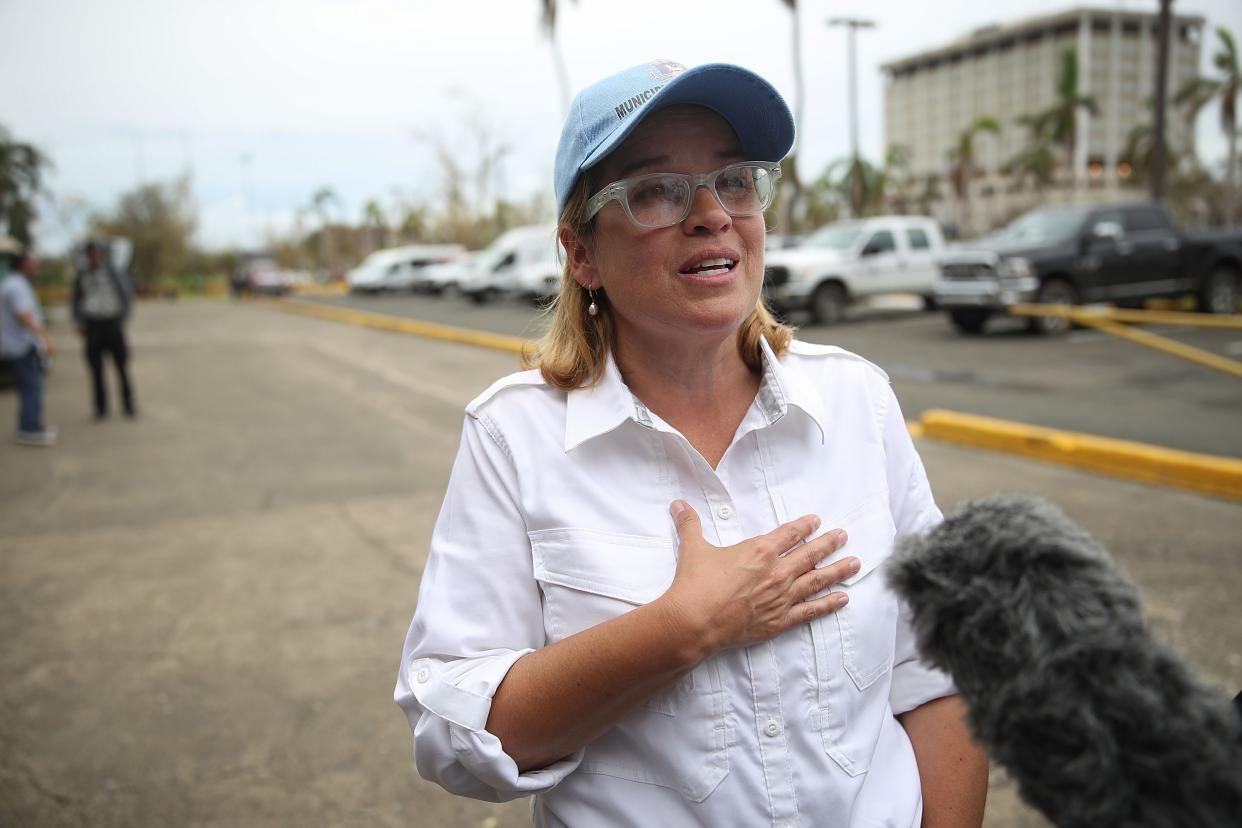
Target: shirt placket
[(763, 668), (762, 662)]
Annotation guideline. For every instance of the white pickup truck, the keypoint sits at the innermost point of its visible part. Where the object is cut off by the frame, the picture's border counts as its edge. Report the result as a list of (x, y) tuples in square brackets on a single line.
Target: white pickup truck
[(850, 260)]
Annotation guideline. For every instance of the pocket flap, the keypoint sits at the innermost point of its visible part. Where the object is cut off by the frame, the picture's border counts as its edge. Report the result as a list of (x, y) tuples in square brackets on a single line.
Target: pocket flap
[(636, 569), (870, 532)]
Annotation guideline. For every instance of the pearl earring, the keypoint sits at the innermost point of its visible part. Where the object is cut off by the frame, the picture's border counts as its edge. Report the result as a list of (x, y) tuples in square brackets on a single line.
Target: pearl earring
[(592, 309)]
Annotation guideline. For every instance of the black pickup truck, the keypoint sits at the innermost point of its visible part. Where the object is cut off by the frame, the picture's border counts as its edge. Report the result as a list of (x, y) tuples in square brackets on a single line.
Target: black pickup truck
[(1119, 253)]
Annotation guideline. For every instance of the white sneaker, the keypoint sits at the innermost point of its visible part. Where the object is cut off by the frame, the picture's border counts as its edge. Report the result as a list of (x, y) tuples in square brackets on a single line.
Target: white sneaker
[(46, 437)]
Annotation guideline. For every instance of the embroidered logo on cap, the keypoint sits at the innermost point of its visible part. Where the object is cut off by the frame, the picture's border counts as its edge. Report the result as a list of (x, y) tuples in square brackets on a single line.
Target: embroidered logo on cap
[(663, 70)]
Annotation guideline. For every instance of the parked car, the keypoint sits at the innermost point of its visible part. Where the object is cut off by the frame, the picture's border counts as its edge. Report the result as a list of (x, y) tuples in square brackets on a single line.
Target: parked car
[(398, 268), (1121, 253), (847, 261), (495, 272), (539, 279), (262, 274), (446, 277)]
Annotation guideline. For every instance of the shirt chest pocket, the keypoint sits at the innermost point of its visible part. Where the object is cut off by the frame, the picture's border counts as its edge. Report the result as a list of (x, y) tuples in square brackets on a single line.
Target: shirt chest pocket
[(854, 647), (680, 738)]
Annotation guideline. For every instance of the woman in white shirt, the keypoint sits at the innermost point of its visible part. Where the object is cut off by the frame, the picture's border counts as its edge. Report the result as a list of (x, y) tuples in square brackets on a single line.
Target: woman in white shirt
[(654, 593)]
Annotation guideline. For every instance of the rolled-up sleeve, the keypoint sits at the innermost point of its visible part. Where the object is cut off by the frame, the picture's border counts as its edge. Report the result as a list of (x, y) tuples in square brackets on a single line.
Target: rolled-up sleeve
[(914, 510), (479, 611)]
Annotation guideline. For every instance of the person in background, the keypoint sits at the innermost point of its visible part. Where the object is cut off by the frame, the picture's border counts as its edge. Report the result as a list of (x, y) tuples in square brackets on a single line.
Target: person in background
[(655, 592), (26, 345), (101, 302)]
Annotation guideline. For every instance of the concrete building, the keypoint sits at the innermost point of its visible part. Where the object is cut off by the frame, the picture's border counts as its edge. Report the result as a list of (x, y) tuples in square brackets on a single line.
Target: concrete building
[(1007, 70)]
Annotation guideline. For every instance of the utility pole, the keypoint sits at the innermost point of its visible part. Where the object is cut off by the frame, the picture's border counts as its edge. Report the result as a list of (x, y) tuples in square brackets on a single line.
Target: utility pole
[(853, 24), (1162, 82)]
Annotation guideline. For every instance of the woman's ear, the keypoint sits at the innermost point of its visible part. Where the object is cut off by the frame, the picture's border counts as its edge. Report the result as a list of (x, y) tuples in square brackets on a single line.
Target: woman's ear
[(581, 259)]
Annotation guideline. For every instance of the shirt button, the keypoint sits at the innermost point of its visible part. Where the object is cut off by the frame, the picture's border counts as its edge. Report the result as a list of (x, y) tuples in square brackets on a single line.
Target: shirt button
[(772, 728), (725, 511), (422, 675)]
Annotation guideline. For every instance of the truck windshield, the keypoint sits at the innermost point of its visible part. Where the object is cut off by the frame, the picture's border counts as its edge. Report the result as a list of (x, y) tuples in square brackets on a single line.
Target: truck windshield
[(1046, 225), (836, 236)]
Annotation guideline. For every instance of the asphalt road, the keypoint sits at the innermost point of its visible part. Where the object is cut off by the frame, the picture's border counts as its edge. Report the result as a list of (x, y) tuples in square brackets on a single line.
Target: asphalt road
[(1086, 381), (202, 610)]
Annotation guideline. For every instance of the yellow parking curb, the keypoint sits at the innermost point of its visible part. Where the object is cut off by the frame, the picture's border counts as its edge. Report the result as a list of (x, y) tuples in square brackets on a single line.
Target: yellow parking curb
[(1204, 473), (316, 289), (379, 321)]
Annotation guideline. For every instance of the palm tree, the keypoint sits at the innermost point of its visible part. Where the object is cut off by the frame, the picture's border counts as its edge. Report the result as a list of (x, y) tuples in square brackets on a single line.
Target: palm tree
[(547, 21), (858, 183), (1037, 158), (897, 177), (791, 182), (1196, 94), (1061, 119), (21, 182), (962, 164), (930, 193)]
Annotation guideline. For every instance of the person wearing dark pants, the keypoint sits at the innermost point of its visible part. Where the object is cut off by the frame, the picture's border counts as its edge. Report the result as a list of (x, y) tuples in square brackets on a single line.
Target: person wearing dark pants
[(102, 299), (106, 337)]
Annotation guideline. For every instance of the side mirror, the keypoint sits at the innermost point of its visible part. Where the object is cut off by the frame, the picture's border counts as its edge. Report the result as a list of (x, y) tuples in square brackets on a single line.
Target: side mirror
[(507, 261), (1107, 230)]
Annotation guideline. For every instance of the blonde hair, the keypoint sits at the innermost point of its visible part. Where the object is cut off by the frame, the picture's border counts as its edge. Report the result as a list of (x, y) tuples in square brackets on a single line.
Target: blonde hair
[(573, 352)]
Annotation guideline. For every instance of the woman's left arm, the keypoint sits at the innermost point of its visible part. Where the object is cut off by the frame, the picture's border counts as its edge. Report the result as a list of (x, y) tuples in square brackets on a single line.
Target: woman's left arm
[(953, 770)]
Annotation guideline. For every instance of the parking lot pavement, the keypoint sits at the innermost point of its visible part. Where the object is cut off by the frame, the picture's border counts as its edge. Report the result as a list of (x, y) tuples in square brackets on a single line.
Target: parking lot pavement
[(203, 609), (1085, 382)]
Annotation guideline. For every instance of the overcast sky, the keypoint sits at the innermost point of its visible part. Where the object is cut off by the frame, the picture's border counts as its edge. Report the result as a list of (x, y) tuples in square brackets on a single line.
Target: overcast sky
[(266, 100)]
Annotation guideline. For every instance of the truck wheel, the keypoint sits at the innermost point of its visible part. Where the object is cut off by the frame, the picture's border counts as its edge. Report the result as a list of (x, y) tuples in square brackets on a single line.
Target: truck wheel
[(828, 303), (929, 303), (1053, 292), (968, 321), (1220, 291)]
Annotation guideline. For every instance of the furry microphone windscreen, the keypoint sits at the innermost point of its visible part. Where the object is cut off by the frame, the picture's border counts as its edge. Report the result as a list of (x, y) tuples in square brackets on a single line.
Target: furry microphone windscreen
[(1099, 724)]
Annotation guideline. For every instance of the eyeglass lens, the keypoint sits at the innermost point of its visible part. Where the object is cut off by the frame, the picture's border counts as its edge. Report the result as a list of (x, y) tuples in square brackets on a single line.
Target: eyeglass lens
[(662, 199)]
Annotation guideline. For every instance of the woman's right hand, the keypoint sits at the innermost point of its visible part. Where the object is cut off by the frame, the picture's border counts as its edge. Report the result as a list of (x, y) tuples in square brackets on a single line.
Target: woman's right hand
[(753, 591)]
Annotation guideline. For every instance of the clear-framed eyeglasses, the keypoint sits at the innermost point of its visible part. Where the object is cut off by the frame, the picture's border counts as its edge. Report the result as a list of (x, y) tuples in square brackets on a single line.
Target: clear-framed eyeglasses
[(664, 199)]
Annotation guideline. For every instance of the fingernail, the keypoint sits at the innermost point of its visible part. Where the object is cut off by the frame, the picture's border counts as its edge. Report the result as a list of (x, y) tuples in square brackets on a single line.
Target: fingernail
[(841, 538), (842, 599), (855, 565), (677, 507), (814, 523)]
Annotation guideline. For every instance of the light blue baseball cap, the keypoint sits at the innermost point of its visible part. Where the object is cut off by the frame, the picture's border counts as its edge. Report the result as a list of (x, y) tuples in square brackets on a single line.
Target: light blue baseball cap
[(605, 113)]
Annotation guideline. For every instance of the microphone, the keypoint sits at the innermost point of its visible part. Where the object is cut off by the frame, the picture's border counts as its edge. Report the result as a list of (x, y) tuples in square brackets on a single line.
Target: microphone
[(1098, 723)]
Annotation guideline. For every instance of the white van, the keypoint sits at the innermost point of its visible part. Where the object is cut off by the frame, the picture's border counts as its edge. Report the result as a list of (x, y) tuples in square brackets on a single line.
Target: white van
[(398, 268), (495, 272)]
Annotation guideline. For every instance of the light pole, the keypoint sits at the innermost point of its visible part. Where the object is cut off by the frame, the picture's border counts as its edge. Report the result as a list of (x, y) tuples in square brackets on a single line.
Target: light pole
[(853, 24)]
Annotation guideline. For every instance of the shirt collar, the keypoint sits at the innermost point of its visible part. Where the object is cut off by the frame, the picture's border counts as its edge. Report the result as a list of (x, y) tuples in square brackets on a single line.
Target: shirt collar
[(602, 407), (782, 388)]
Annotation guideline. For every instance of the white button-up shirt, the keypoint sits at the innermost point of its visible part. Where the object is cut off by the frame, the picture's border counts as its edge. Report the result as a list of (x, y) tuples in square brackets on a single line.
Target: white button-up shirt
[(556, 519)]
